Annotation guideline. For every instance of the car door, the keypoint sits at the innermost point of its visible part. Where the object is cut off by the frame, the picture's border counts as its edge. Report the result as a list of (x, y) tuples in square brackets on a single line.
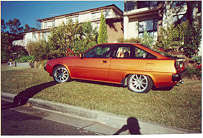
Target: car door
[(94, 64), (119, 62)]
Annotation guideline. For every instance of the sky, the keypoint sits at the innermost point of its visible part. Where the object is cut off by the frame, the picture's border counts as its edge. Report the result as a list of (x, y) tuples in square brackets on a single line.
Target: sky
[(28, 12)]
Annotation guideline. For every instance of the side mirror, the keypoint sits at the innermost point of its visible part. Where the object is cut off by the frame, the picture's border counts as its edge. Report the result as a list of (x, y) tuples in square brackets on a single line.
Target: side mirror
[(81, 56)]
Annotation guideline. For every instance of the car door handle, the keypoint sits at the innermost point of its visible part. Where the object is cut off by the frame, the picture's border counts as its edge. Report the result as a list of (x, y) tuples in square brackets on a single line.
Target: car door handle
[(104, 61)]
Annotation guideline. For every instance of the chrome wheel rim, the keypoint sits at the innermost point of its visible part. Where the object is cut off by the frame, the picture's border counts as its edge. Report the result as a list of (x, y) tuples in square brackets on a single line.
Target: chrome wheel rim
[(138, 83), (61, 74)]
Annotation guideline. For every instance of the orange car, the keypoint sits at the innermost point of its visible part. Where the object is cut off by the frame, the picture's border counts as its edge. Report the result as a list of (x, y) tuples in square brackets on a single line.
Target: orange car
[(132, 65)]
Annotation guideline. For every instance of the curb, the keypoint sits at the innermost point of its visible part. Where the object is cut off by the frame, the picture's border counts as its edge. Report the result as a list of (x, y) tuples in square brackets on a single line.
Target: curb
[(98, 116), (109, 119)]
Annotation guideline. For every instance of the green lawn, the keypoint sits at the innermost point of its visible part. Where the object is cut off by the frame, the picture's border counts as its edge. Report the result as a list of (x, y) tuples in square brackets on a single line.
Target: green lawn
[(179, 107)]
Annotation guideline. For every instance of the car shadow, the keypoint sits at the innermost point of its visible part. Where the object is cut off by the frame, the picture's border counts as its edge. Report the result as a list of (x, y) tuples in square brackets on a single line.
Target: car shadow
[(28, 93), (119, 85), (132, 126), (99, 83), (163, 89)]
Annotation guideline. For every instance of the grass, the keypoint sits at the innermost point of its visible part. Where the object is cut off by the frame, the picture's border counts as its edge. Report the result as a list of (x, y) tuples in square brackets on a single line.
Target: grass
[(179, 107)]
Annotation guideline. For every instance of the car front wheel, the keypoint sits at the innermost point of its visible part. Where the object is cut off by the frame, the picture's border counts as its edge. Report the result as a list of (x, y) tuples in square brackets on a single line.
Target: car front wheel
[(61, 74), (139, 83)]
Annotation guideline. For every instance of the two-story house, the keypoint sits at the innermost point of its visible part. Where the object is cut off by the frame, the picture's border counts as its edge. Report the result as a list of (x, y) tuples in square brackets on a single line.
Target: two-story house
[(112, 14), (140, 16), (149, 16)]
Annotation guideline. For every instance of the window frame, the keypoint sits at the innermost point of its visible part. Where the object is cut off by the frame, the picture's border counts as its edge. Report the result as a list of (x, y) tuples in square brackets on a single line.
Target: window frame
[(153, 30)]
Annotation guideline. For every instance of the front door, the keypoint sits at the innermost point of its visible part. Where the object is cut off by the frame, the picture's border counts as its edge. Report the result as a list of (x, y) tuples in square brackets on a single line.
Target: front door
[(95, 64)]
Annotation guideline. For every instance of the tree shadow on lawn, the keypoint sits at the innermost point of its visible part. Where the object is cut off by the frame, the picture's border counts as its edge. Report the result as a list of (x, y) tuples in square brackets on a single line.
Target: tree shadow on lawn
[(28, 93)]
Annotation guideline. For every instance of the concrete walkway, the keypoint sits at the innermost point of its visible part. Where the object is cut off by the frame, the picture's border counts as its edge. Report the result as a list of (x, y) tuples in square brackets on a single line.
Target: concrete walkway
[(111, 122)]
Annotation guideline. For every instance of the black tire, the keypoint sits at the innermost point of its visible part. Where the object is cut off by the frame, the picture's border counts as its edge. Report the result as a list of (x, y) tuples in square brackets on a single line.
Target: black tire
[(61, 74), (139, 83)]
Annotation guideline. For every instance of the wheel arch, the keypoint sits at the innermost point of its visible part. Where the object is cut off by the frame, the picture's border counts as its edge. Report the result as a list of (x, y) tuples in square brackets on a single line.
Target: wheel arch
[(124, 80), (60, 64)]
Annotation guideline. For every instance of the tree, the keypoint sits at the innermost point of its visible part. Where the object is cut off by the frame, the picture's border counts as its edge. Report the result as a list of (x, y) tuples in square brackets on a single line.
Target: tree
[(64, 36), (39, 49), (183, 38), (14, 26), (75, 36), (88, 38), (184, 35), (190, 5), (3, 26), (102, 38), (27, 28), (10, 31)]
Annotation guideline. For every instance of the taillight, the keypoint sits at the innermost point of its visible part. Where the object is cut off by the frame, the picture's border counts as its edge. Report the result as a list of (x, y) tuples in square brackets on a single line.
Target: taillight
[(179, 65), (176, 64)]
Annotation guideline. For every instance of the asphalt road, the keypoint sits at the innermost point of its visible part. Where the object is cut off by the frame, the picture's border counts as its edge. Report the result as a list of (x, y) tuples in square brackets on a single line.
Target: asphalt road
[(25, 120)]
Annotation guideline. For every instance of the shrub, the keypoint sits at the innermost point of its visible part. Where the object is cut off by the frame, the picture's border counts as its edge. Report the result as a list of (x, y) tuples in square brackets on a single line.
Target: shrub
[(81, 46), (197, 59), (25, 59), (184, 38), (74, 36), (40, 64), (147, 40), (132, 40), (193, 73), (19, 50), (4, 56), (40, 49)]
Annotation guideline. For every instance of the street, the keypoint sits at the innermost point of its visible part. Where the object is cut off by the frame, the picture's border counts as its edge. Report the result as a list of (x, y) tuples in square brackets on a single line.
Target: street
[(25, 120)]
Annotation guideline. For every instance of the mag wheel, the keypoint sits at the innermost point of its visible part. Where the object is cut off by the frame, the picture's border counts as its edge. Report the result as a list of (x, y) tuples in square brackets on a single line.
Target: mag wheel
[(61, 74), (139, 83)]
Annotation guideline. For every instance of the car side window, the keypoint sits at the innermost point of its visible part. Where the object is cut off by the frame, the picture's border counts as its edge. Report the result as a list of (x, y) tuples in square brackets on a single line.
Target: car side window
[(138, 53), (99, 52), (123, 52), (141, 54), (131, 52)]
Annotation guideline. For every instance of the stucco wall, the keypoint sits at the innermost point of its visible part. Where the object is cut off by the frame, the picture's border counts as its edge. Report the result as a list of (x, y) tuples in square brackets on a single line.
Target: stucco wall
[(130, 28), (114, 31)]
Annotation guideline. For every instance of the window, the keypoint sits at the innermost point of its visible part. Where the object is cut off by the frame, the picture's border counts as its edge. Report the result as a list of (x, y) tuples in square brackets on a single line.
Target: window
[(45, 25), (147, 4), (150, 26), (50, 24), (138, 53), (123, 52), (179, 18), (176, 4), (73, 18), (131, 52), (130, 5), (99, 52), (96, 15)]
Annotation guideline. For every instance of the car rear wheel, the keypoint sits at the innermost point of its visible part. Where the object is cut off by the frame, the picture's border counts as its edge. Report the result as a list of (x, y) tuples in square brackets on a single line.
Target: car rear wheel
[(61, 74), (139, 83)]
